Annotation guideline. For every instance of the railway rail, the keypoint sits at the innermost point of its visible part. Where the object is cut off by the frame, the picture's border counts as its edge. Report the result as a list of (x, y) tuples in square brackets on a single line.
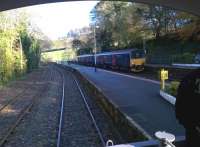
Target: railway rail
[(61, 110), (12, 99), (100, 135), (15, 98), (91, 115), (77, 112), (24, 104)]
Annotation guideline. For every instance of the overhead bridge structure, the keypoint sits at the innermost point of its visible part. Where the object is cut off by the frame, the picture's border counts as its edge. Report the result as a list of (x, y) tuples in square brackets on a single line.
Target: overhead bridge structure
[(53, 50), (191, 6)]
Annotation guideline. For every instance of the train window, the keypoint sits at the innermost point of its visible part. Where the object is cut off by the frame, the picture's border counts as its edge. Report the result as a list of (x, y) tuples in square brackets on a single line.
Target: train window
[(138, 54)]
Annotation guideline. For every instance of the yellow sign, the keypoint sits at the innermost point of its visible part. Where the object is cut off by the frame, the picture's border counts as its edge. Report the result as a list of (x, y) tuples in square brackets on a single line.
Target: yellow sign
[(164, 74)]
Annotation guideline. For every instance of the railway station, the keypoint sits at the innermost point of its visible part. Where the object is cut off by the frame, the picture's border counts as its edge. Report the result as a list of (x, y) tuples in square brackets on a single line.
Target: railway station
[(99, 73)]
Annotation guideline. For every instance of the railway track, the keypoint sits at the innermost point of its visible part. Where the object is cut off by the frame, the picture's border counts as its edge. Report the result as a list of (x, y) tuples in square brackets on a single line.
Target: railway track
[(89, 111), (11, 100), (19, 105), (78, 123), (103, 142), (61, 110)]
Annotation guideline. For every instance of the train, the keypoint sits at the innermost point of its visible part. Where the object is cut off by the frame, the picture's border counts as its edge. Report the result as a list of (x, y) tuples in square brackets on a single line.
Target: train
[(129, 59)]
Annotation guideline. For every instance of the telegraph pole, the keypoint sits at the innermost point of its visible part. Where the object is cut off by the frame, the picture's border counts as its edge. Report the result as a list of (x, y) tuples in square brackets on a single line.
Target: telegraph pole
[(95, 48), (21, 53)]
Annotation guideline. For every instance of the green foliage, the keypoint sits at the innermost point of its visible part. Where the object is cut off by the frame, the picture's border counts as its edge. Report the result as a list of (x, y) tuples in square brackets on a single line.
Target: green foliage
[(171, 50), (81, 47), (62, 55), (31, 50), (184, 58), (18, 50), (125, 25), (172, 88), (8, 56), (20, 66), (60, 43), (119, 24), (83, 51), (77, 44)]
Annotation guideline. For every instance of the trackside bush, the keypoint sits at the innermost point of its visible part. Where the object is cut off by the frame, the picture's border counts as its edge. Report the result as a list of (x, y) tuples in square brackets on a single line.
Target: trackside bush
[(172, 88), (19, 51), (186, 58), (31, 50)]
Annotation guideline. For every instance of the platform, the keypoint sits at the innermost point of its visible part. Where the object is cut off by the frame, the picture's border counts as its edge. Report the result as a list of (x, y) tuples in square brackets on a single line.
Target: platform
[(137, 97)]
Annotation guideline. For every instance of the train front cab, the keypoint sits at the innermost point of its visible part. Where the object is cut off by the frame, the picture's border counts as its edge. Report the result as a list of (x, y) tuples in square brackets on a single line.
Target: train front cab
[(137, 60)]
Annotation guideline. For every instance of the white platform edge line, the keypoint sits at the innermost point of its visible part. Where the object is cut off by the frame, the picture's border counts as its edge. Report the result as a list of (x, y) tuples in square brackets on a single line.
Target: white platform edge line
[(171, 99), (130, 76)]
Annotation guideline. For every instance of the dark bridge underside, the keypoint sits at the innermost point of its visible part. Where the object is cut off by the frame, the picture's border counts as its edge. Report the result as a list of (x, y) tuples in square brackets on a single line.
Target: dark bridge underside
[(191, 6), (53, 50)]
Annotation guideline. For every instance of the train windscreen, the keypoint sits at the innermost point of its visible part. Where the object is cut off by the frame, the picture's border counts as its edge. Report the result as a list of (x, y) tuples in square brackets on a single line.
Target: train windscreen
[(138, 54)]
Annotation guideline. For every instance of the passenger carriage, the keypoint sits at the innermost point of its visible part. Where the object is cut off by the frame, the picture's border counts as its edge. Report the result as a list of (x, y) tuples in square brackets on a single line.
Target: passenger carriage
[(129, 59)]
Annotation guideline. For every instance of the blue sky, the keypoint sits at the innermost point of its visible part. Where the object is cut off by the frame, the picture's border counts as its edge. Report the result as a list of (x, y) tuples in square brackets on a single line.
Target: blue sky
[(56, 19)]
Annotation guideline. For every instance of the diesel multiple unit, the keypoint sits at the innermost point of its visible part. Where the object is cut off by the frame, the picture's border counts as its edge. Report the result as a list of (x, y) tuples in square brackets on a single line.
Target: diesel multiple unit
[(130, 59)]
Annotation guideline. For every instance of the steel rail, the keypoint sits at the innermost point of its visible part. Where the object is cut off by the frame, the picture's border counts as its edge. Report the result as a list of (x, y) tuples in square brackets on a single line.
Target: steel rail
[(23, 112), (12, 100), (90, 112), (21, 116), (61, 111), (15, 98)]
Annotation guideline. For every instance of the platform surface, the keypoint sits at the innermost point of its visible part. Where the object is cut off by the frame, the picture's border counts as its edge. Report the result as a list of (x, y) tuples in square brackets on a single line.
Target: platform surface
[(137, 97)]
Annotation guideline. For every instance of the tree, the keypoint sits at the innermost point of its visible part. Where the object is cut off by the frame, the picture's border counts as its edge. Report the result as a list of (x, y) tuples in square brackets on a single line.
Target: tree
[(12, 62), (31, 50), (77, 44), (18, 49), (119, 23)]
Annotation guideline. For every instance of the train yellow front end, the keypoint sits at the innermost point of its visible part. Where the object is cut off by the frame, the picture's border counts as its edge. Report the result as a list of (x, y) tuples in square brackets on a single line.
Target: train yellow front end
[(137, 61)]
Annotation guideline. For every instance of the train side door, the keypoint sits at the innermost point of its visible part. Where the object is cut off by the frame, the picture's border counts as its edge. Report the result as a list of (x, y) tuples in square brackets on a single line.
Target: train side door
[(114, 61)]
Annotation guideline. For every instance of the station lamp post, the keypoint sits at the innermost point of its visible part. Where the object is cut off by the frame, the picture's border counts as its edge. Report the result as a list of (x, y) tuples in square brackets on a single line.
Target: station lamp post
[(95, 47), (143, 40), (144, 43)]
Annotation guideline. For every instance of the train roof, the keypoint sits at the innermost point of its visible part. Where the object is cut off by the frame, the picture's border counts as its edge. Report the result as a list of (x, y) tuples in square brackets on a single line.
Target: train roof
[(111, 52), (118, 52)]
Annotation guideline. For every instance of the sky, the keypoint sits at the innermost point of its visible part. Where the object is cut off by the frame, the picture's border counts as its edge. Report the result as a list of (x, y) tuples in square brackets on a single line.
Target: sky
[(56, 19)]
